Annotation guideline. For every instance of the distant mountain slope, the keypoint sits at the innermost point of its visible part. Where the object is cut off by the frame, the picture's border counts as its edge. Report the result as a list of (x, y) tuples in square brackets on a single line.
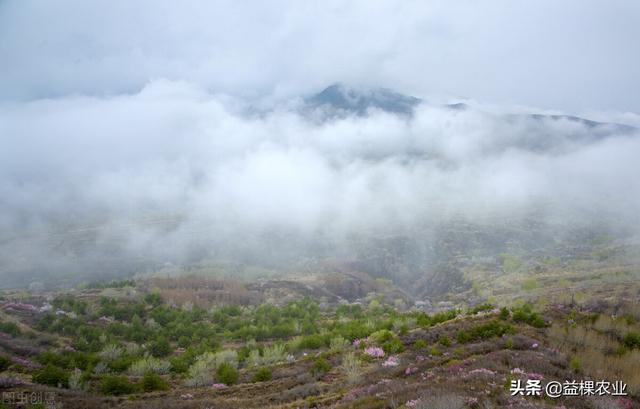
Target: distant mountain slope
[(528, 131), (339, 99)]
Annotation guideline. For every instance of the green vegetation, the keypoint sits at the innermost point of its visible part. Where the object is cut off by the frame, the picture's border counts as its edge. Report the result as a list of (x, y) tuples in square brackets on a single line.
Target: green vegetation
[(227, 374), (444, 340), (160, 347), (262, 375), (425, 320), (117, 385), (320, 366), (5, 363), (509, 343), (142, 344), (576, 364), (420, 344), (530, 284), (10, 328), (510, 262), (527, 315), (481, 308), (52, 376), (110, 284), (631, 340), (153, 382), (484, 331)]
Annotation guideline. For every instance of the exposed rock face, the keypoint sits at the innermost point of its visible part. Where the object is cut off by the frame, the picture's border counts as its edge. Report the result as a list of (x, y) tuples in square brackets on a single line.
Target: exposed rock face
[(443, 279)]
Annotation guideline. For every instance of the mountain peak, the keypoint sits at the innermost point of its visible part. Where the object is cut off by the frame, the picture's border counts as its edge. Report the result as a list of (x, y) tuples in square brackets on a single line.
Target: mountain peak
[(344, 99)]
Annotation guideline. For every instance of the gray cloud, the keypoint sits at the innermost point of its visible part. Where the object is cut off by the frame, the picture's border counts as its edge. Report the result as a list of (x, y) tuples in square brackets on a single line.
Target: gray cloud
[(173, 173), (137, 133), (571, 55)]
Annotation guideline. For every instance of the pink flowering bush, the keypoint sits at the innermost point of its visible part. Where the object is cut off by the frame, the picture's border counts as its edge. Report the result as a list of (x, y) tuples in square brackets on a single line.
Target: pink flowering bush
[(410, 370), (626, 403), (218, 386), (534, 375), (18, 306), (374, 352), (472, 402), (412, 403), (391, 362), (8, 381)]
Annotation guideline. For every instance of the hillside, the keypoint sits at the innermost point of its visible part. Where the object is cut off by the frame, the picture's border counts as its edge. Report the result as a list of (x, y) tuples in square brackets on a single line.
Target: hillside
[(295, 343)]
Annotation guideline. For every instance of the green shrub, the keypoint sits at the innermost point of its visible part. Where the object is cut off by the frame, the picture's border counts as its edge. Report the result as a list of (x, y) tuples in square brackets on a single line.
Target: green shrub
[(393, 346), (10, 328), (576, 364), (154, 299), (111, 353), (420, 344), (227, 374), (632, 340), (180, 364), (510, 262), (150, 364), (160, 347), (621, 350), (120, 364), (480, 308), (338, 344), (262, 375), (154, 382), (201, 371), (320, 366), (382, 336), (463, 336), (117, 385), (352, 368), (444, 316), (425, 320), (77, 380), (530, 284), (444, 341), (509, 343), (184, 342), (5, 363), (311, 342), (274, 354), (52, 376), (484, 331), (527, 315), (504, 313)]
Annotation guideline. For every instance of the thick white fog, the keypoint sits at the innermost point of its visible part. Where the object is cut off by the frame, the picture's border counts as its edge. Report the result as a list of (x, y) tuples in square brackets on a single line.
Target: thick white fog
[(172, 167), (145, 131)]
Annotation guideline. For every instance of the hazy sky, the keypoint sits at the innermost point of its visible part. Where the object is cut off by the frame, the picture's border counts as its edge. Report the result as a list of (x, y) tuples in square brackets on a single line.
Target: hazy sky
[(573, 55)]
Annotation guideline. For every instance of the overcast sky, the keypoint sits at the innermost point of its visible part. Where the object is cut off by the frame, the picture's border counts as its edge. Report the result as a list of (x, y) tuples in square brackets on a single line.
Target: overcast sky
[(571, 55)]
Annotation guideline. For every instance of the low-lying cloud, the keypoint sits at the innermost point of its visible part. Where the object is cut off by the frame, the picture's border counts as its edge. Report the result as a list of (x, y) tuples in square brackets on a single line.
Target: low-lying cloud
[(174, 173)]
